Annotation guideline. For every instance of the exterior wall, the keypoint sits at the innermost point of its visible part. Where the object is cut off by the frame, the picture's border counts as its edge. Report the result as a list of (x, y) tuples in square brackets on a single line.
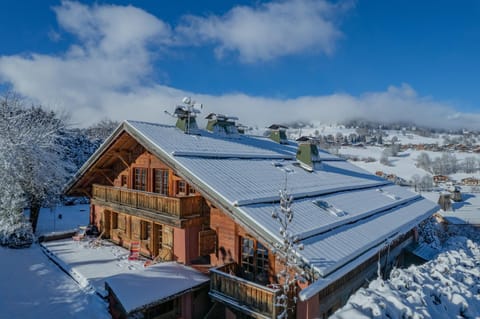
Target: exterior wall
[(183, 308), (179, 249), (308, 309), (150, 162), (227, 250), (228, 238), (184, 242)]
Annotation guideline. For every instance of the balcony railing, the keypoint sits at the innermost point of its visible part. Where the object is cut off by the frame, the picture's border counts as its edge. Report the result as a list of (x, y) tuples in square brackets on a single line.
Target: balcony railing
[(176, 206), (257, 300)]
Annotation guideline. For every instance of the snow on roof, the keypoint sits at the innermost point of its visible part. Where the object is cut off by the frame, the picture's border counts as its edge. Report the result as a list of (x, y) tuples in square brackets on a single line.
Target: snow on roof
[(209, 143), (372, 208), (93, 266), (247, 181), (311, 220), (466, 212), (342, 245), (424, 251), (156, 283), (244, 175)]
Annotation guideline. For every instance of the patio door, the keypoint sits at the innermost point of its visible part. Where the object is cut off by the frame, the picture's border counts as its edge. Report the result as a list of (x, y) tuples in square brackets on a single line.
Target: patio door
[(254, 260)]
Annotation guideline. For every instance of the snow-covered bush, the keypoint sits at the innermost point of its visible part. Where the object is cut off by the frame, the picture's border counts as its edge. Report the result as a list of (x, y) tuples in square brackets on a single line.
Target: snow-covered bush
[(17, 235), (445, 287), (15, 230)]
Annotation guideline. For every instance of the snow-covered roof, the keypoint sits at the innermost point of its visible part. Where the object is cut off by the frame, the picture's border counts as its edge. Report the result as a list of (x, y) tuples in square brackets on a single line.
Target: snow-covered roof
[(341, 211), (172, 277)]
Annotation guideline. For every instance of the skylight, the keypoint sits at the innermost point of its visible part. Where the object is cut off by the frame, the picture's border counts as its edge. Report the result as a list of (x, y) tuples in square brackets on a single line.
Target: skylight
[(388, 194), (329, 208)]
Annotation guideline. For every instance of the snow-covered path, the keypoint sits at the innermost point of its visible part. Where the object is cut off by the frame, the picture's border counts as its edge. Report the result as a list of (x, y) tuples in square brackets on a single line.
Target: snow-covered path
[(33, 287)]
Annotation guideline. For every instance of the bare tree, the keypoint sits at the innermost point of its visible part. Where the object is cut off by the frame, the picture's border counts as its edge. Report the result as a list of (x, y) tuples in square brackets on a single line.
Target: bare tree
[(384, 158), (287, 254), (415, 181), (470, 164), (424, 162)]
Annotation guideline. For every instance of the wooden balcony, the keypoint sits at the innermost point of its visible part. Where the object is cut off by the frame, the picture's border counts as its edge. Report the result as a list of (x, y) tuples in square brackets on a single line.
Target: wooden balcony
[(178, 207), (251, 298)]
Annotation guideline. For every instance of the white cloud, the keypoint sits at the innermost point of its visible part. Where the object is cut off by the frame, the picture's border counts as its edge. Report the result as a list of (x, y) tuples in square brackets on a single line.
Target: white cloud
[(270, 30), (106, 74), (112, 54)]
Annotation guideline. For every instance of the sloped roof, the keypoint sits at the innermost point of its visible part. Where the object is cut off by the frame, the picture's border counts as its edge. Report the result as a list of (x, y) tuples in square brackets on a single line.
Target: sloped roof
[(172, 277), (341, 211)]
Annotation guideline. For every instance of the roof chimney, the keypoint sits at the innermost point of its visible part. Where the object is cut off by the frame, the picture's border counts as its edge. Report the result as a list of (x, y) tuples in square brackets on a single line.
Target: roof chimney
[(307, 153), (186, 115), (278, 133), (222, 124)]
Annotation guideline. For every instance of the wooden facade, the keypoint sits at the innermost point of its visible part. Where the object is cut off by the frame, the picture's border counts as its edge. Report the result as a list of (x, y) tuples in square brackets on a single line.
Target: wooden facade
[(135, 196), (226, 287)]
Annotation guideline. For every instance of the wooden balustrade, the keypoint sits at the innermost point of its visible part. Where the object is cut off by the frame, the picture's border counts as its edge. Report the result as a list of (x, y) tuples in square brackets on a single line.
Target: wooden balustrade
[(176, 206), (259, 299)]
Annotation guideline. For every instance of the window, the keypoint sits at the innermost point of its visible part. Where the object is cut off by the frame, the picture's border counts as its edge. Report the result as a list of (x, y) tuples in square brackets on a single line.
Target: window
[(140, 179), (254, 260), (160, 182), (191, 190), (145, 230), (181, 187)]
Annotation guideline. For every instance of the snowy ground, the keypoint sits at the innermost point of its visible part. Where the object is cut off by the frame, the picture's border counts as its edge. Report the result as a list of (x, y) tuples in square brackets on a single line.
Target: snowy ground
[(34, 287), (446, 287)]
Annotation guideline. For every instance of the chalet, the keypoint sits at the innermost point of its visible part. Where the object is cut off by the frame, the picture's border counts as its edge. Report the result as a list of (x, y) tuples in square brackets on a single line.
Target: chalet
[(440, 179), (471, 181), (204, 198), (380, 174)]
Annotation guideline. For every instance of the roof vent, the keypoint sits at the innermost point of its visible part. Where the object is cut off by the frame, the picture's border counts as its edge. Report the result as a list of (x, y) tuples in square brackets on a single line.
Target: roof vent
[(222, 124), (278, 133), (241, 128), (186, 115), (307, 153)]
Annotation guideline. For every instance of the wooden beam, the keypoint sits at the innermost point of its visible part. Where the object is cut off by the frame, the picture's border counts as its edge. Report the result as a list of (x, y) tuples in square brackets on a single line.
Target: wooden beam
[(106, 177), (121, 156), (102, 170)]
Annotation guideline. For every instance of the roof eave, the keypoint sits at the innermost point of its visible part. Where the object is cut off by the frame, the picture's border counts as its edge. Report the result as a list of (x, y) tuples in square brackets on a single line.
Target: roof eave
[(70, 186)]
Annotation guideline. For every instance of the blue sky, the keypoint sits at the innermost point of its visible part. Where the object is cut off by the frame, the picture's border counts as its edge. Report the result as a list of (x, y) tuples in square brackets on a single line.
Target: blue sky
[(266, 61)]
